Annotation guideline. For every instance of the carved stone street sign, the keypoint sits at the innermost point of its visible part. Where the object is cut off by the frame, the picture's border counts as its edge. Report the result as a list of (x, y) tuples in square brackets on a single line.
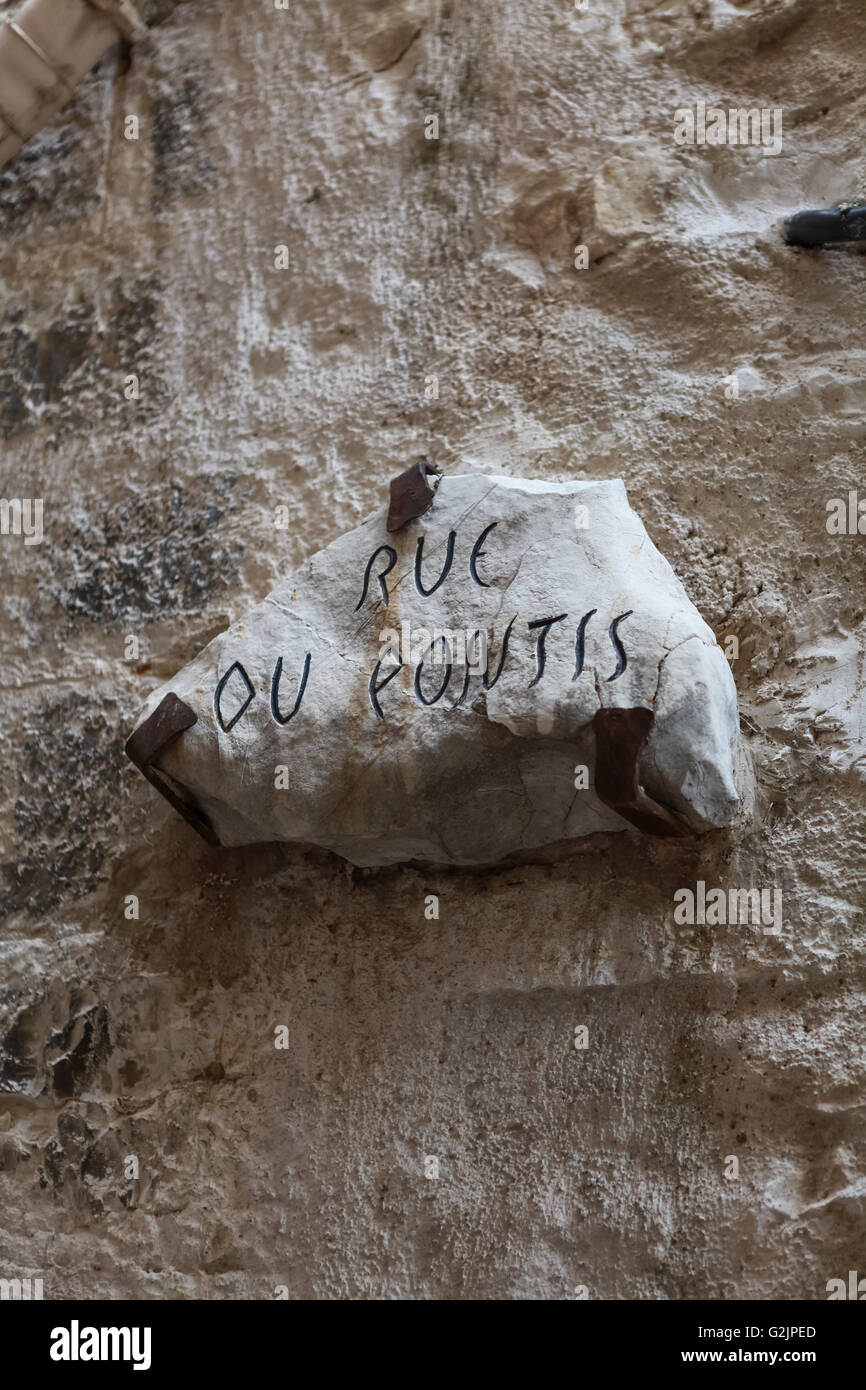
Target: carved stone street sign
[(515, 667)]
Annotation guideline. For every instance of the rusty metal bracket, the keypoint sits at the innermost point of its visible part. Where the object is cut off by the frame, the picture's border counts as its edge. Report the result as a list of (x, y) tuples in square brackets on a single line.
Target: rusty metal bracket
[(168, 721), (411, 494), (619, 736)]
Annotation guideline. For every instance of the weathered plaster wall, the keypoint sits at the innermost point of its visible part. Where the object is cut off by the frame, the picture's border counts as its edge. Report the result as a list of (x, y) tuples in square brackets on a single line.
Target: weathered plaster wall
[(412, 257)]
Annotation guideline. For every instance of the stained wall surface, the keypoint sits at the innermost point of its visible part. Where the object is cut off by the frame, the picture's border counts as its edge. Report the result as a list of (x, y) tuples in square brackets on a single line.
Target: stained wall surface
[(720, 373)]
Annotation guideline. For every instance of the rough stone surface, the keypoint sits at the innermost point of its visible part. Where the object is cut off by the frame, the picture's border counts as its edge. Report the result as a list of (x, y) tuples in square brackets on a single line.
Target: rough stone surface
[(442, 714), (310, 388)]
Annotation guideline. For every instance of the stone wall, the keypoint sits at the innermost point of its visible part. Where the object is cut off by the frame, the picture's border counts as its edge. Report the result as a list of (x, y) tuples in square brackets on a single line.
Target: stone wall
[(718, 372)]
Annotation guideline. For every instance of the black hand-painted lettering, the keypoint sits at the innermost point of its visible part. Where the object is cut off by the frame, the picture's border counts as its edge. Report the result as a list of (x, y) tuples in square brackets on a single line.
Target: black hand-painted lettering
[(544, 625), (275, 691), (485, 676), (488, 684), (579, 642), (392, 560), (375, 687), (477, 553), (420, 697), (449, 556), (485, 681), (217, 697), (471, 664), (466, 677), (621, 658)]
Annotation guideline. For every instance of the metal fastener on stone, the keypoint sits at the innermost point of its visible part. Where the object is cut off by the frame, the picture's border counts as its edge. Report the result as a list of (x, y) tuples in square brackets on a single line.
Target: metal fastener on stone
[(411, 494)]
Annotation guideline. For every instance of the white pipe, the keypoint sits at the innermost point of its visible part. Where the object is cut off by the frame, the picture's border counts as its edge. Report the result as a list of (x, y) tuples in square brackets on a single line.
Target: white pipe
[(44, 53)]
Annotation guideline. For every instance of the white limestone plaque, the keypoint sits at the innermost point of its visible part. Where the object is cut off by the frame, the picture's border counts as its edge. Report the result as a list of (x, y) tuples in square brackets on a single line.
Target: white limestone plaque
[(517, 667)]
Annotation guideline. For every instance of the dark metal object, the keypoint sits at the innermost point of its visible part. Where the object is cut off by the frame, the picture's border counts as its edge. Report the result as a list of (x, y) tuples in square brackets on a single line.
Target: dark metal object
[(168, 721), (411, 495), (823, 226), (619, 736)]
